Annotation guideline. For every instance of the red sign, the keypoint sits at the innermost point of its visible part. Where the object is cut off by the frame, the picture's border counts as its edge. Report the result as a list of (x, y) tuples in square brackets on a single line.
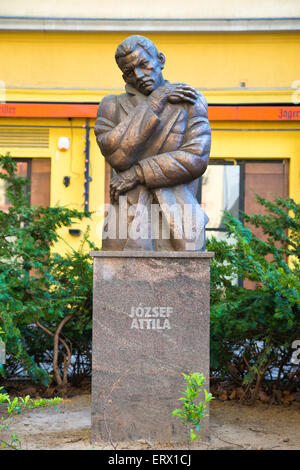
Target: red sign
[(215, 113), (254, 113)]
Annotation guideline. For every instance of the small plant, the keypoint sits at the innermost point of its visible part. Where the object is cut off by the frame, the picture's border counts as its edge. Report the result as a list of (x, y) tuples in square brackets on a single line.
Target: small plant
[(16, 406), (193, 410), (1, 365)]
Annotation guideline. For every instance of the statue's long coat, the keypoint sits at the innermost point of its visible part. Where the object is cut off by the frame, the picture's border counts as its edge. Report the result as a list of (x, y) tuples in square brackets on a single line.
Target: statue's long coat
[(172, 149)]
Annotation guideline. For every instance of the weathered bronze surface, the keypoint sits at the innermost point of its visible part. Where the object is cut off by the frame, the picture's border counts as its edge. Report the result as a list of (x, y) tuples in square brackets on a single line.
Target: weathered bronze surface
[(156, 137)]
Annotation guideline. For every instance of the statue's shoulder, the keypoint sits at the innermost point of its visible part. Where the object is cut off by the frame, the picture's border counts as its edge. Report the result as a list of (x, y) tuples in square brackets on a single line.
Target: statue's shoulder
[(108, 106), (110, 103), (202, 99), (200, 108)]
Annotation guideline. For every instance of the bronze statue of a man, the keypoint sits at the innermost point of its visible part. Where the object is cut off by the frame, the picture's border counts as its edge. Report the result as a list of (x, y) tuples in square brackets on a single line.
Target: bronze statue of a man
[(156, 137)]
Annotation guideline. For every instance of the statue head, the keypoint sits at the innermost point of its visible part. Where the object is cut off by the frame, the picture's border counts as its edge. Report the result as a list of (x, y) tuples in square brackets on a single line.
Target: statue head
[(141, 63)]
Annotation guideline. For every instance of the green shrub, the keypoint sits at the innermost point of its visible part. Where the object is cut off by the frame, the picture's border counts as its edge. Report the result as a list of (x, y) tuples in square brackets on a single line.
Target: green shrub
[(40, 291), (252, 330)]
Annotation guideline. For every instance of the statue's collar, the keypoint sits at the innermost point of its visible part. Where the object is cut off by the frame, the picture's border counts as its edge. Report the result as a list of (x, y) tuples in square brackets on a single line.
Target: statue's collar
[(133, 91)]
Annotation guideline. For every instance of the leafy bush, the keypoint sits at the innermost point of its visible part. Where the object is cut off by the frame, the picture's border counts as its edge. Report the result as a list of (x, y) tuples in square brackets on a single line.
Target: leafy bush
[(252, 330), (41, 291)]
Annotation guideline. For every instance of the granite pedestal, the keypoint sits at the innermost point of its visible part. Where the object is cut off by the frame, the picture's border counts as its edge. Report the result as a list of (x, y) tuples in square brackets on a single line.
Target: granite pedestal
[(150, 324)]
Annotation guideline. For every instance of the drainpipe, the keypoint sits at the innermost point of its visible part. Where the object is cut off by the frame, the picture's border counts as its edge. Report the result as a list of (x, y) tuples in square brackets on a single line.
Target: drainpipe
[(87, 177)]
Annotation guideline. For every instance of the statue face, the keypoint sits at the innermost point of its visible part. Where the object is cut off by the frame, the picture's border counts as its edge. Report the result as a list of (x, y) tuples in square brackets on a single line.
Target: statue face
[(142, 71)]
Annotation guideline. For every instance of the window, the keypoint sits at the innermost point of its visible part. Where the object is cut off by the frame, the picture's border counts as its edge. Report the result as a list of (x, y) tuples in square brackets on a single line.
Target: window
[(231, 186), (38, 171), (221, 189), (24, 170)]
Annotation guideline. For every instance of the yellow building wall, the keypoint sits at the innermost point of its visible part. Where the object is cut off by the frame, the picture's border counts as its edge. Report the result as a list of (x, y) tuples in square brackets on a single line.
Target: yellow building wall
[(70, 67), (86, 60), (68, 163)]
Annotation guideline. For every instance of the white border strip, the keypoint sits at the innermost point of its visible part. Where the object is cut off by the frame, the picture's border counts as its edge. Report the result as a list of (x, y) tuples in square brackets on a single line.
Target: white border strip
[(148, 25)]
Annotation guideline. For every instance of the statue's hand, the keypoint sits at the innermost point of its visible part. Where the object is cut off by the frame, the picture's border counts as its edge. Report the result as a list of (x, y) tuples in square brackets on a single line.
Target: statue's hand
[(182, 92), (174, 93), (122, 183)]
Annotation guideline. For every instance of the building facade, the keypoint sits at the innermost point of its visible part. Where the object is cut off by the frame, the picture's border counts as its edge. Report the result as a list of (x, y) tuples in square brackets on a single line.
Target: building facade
[(58, 63)]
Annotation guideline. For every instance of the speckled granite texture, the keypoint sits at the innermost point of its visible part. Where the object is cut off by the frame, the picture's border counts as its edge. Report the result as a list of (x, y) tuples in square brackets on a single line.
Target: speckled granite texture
[(150, 323)]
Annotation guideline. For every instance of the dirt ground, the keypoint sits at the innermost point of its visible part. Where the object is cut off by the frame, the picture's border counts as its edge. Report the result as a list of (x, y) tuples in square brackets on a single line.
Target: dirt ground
[(232, 424)]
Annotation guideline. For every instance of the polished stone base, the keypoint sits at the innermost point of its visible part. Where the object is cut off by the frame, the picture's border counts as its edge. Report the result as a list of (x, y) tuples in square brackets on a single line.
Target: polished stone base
[(150, 324)]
